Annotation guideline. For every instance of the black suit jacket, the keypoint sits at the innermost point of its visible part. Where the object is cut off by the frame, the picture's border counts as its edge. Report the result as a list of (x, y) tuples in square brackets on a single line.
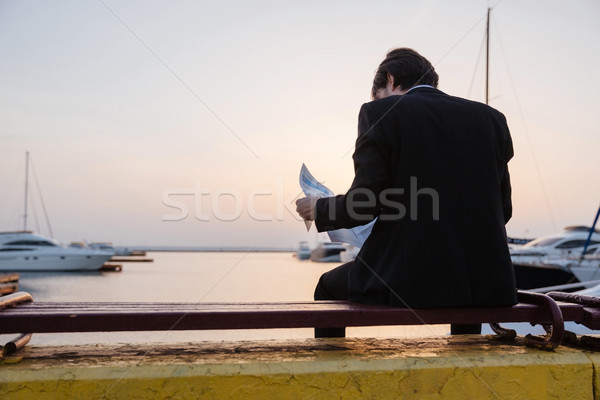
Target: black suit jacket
[(433, 168)]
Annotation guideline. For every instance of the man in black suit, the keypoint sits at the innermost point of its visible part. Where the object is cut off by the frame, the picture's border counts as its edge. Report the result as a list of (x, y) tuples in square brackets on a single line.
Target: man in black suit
[(433, 169)]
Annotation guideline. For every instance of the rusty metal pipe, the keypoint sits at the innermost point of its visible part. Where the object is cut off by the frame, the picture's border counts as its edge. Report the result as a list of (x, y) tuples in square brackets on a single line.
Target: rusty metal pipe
[(557, 330), (504, 333), (16, 344)]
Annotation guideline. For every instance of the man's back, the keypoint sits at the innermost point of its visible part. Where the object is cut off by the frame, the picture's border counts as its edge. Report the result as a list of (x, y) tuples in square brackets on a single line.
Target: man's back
[(441, 162), (433, 169)]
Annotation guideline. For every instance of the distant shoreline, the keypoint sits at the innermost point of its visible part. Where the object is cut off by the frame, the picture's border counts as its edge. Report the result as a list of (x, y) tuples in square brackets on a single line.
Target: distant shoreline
[(192, 249)]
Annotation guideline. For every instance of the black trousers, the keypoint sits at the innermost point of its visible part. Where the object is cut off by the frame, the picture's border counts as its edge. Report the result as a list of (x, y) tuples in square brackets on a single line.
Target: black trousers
[(333, 285)]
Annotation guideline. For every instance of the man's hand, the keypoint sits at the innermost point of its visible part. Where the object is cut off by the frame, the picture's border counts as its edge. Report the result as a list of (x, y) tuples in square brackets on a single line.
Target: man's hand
[(305, 207)]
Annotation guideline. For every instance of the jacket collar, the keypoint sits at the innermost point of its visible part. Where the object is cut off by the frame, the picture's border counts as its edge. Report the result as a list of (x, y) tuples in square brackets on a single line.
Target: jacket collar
[(419, 86), (424, 89)]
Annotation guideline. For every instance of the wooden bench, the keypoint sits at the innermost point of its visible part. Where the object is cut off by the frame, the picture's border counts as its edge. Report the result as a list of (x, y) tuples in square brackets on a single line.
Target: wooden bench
[(18, 314)]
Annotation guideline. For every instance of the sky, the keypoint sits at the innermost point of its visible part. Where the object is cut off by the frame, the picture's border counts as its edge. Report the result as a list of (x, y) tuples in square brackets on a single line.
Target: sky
[(185, 123)]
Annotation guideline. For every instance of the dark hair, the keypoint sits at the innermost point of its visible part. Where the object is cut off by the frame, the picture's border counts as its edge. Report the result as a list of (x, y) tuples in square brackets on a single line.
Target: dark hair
[(408, 68)]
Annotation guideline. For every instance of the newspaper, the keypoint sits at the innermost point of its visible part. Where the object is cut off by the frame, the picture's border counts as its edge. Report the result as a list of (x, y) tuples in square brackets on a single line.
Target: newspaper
[(311, 187)]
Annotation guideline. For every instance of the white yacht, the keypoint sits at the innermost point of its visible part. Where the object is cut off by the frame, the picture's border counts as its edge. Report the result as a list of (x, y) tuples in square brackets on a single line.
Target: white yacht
[(586, 268), (557, 260), (26, 251), (568, 243)]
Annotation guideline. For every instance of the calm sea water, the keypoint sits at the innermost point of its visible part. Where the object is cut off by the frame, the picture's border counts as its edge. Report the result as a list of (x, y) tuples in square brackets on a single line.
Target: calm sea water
[(195, 277)]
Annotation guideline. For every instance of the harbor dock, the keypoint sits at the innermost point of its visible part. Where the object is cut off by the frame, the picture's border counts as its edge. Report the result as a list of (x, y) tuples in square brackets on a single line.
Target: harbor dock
[(111, 267), (130, 259), (9, 283)]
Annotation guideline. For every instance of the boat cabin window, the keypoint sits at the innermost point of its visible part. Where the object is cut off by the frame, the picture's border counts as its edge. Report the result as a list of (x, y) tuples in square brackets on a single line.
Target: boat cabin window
[(30, 243), (14, 249), (543, 242), (571, 244)]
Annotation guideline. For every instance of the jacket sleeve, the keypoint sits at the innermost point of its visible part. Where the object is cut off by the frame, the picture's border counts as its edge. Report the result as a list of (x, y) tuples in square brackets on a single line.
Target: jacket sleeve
[(361, 204), (505, 188)]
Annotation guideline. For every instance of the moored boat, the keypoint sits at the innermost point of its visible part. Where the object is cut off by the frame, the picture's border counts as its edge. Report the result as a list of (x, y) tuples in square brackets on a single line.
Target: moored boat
[(568, 243), (567, 258), (303, 252), (327, 252), (28, 252)]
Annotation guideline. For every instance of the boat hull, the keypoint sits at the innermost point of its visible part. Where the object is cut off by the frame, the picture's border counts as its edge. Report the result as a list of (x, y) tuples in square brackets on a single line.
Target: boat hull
[(531, 276), (52, 262), (303, 254), (326, 254)]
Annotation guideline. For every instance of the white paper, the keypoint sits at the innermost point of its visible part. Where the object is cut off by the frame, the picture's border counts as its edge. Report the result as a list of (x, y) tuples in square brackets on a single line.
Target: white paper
[(311, 187)]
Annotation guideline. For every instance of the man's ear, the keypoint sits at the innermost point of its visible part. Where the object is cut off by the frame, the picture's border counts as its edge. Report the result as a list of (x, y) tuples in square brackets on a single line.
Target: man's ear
[(390, 81), (391, 86)]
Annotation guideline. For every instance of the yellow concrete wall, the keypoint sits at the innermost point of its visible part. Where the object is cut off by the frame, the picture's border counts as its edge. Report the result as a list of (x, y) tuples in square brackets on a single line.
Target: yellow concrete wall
[(438, 368), (595, 358)]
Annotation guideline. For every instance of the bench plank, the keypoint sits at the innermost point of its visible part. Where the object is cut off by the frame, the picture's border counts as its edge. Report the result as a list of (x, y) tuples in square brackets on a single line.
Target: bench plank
[(103, 317)]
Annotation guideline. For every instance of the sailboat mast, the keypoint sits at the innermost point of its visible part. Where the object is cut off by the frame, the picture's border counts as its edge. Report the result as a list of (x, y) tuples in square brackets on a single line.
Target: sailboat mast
[(589, 238), (487, 57), (26, 189)]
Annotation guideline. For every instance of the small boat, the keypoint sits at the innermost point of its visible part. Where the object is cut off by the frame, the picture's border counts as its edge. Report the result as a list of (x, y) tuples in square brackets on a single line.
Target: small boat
[(118, 251), (108, 247), (327, 252), (303, 252), (103, 246), (25, 251)]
